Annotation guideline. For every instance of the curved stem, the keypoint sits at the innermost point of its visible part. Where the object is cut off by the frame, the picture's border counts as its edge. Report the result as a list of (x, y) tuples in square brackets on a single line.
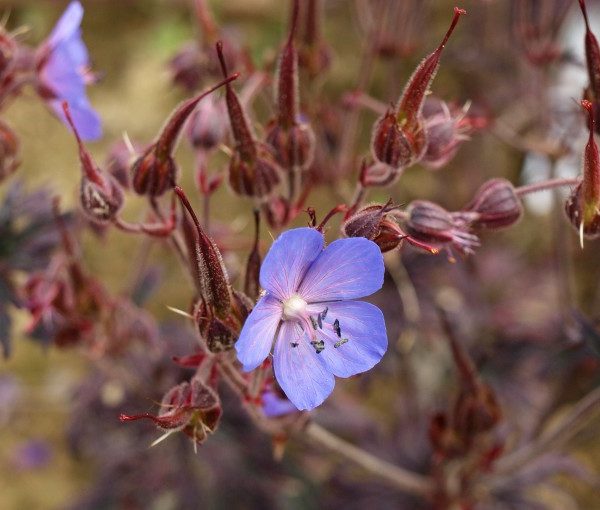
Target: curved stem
[(546, 185), (396, 476)]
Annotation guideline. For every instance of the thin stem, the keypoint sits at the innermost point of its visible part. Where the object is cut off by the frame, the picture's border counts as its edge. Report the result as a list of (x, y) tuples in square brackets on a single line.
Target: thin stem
[(569, 426), (396, 476), (546, 185)]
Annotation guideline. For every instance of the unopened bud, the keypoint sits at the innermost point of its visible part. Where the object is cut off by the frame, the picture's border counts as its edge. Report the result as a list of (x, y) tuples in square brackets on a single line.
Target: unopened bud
[(100, 194), (207, 126), (155, 171), (445, 132), (592, 55), (314, 54), (497, 205), (373, 223), (583, 205), (431, 224), (294, 146)]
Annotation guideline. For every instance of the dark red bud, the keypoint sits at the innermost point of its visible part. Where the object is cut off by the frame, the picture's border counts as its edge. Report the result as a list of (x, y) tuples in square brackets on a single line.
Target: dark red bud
[(366, 222), (155, 171), (583, 205), (497, 204), (411, 102), (431, 224), (244, 140), (211, 277), (293, 146), (188, 67), (100, 194), (390, 144), (592, 54), (251, 283), (287, 81), (9, 147), (314, 54), (255, 178)]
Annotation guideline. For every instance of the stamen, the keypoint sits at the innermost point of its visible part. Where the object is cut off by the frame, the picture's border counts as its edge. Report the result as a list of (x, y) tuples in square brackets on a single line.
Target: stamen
[(314, 322), (294, 344), (340, 342), (318, 345), (337, 328), (319, 321), (324, 313)]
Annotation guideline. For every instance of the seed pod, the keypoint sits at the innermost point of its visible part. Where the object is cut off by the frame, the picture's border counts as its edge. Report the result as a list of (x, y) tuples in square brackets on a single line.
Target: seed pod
[(373, 223), (100, 194), (314, 54), (210, 274), (293, 146), (592, 54), (155, 171), (583, 205), (399, 137), (431, 224), (252, 169), (497, 205)]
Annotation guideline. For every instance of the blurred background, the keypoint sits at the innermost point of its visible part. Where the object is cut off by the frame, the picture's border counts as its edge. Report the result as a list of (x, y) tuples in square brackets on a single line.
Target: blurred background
[(61, 445)]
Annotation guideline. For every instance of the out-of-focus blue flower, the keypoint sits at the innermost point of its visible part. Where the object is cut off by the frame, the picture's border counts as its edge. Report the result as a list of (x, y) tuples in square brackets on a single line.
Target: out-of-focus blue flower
[(309, 314), (274, 405), (64, 72)]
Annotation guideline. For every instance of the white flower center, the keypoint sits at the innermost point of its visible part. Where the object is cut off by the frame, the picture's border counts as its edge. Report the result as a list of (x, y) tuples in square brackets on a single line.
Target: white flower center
[(294, 308)]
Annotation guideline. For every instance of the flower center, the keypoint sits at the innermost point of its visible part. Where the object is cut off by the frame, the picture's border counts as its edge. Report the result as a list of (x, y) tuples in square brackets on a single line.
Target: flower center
[(294, 308)]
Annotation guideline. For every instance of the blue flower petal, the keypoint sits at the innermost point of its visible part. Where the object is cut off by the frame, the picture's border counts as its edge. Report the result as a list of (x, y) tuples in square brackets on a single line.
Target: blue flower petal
[(258, 333), (273, 405), (362, 324), (347, 269), (288, 259), (299, 370), (86, 119), (67, 25)]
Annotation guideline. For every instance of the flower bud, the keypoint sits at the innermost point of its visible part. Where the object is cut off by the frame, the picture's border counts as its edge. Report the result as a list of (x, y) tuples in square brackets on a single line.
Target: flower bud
[(446, 127), (193, 407), (592, 55), (118, 162), (431, 224), (100, 195), (252, 169), (9, 146), (314, 54), (293, 146), (207, 126), (155, 170), (399, 137), (209, 271), (583, 205), (497, 204), (373, 223)]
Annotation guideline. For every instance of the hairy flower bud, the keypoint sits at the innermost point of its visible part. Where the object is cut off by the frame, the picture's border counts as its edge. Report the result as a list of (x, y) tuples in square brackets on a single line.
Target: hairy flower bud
[(9, 147), (399, 137), (374, 223), (100, 194), (583, 205), (252, 169), (155, 171), (431, 224), (209, 271), (293, 146), (446, 127), (497, 205)]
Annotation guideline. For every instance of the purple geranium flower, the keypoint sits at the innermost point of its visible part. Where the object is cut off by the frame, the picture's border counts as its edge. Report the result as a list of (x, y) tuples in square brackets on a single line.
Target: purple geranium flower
[(308, 313), (63, 65), (275, 406)]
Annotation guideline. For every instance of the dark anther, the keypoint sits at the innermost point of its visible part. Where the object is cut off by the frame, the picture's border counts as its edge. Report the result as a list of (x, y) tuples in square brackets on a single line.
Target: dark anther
[(337, 329), (294, 344), (319, 321), (314, 322), (340, 342), (324, 313), (318, 345)]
